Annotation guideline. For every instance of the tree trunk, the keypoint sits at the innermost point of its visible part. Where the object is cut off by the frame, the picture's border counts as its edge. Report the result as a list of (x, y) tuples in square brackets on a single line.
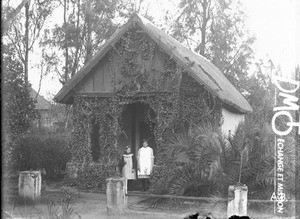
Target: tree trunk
[(74, 68), (66, 43), (26, 42), (14, 14), (205, 7), (89, 33)]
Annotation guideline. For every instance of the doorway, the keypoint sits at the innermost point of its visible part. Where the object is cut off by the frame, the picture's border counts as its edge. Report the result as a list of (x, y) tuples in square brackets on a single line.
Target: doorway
[(135, 127)]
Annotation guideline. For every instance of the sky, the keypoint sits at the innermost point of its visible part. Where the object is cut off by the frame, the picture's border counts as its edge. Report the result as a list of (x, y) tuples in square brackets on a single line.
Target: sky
[(272, 22)]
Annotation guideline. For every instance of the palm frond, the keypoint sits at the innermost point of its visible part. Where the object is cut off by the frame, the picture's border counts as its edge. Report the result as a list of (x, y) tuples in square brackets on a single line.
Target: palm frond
[(212, 162)]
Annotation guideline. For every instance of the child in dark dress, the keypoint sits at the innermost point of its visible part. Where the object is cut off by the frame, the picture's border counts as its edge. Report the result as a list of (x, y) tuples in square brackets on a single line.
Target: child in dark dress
[(126, 166)]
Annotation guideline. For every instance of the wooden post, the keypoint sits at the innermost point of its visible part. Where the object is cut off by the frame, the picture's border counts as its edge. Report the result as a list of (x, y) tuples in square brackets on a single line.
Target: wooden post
[(115, 195), (30, 183), (237, 200)]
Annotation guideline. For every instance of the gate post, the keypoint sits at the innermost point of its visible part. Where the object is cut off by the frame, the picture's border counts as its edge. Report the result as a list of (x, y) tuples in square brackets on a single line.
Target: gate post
[(115, 195), (237, 200), (30, 183)]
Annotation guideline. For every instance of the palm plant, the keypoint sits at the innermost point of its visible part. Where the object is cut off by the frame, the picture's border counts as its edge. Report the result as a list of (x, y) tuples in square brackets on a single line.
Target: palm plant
[(205, 162), (202, 162)]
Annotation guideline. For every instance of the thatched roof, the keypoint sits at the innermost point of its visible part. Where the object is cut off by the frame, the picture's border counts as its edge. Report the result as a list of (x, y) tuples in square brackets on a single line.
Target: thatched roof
[(41, 102), (201, 69)]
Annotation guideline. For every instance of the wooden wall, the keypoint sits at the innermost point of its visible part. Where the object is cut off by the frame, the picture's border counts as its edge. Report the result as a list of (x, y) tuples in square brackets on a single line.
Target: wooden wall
[(99, 80)]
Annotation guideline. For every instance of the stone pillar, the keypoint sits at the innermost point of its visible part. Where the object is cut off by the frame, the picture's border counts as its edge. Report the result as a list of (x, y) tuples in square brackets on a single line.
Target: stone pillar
[(72, 170), (237, 200), (30, 183), (115, 195)]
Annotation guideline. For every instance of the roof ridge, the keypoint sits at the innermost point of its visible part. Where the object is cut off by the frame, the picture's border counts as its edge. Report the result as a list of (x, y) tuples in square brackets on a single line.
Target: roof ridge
[(41, 102), (202, 70)]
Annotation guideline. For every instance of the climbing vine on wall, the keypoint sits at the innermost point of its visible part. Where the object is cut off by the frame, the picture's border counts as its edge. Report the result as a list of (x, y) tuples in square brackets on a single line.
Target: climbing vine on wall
[(178, 101), (100, 110)]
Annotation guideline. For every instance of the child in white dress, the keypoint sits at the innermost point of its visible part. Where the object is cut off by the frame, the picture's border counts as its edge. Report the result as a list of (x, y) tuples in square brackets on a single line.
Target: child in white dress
[(127, 165), (145, 160)]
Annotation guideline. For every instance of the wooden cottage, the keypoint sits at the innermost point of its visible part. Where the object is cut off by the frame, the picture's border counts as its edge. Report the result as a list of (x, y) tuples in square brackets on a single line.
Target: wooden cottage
[(44, 108), (144, 84), (51, 117)]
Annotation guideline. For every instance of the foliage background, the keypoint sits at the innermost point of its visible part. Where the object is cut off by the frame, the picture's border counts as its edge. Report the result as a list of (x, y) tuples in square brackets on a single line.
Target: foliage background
[(48, 152), (214, 29)]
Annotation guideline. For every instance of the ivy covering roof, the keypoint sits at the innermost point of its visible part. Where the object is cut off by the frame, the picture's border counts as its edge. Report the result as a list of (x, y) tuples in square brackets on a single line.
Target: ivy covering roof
[(201, 69)]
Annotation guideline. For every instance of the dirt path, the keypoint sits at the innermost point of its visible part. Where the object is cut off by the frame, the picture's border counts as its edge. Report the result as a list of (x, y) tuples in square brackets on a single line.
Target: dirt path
[(93, 205), (83, 205)]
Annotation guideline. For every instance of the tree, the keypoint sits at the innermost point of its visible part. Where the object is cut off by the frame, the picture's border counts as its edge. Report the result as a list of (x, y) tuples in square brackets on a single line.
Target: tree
[(193, 22), (13, 15), (260, 92), (19, 107), (25, 31), (215, 30), (229, 44), (86, 25)]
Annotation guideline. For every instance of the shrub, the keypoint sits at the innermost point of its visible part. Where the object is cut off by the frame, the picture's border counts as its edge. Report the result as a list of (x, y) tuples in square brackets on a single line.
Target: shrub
[(191, 164), (27, 153), (212, 163), (36, 152), (161, 178), (92, 176), (56, 154)]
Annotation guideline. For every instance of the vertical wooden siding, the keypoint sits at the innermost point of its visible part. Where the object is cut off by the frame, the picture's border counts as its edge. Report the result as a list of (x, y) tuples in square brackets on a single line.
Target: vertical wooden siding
[(99, 80)]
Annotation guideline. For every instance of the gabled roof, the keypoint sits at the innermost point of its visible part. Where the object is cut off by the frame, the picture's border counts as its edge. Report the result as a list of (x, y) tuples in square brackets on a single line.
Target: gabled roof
[(41, 102), (201, 69)]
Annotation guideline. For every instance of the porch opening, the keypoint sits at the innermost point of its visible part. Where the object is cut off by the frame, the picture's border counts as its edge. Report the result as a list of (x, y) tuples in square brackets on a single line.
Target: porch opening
[(137, 123)]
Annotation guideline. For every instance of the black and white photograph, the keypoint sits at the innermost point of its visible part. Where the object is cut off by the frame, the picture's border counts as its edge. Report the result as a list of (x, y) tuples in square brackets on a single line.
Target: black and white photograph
[(150, 109)]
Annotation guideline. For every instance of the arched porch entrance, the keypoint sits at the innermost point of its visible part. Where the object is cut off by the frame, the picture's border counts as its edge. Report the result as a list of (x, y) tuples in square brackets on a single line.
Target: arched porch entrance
[(137, 123)]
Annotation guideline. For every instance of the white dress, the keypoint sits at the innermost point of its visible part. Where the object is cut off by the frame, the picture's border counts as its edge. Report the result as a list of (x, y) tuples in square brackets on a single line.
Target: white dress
[(145, 156), (127, 170)]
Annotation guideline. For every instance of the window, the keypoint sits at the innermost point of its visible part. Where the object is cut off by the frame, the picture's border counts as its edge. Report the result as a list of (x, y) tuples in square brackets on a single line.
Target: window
[(95, 147)]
